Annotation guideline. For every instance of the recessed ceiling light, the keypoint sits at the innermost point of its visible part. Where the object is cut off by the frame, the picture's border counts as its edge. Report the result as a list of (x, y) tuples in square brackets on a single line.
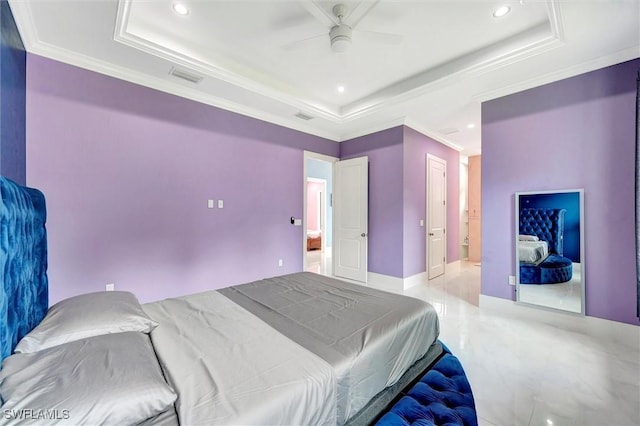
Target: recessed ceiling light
[(501, 11), (470, 126), (180, 9), (340, 89)]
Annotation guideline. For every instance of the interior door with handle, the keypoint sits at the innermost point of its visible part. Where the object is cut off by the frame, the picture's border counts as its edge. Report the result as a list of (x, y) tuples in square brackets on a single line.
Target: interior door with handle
[(436, 215), (351, 211)]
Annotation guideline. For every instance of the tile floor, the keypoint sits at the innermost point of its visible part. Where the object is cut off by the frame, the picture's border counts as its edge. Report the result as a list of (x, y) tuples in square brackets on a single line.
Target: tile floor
[(529, 373)]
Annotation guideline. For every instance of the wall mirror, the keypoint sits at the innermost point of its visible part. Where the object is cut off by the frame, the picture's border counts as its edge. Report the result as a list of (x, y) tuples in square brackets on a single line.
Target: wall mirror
[(550, 249)]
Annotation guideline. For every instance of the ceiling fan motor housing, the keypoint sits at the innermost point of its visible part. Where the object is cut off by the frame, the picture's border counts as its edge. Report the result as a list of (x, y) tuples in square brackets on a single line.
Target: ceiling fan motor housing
[(340, 37)]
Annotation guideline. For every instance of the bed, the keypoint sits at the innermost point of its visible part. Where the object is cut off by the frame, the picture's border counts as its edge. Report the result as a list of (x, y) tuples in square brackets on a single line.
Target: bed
[(295, 349), (541, 247), (314, 240)]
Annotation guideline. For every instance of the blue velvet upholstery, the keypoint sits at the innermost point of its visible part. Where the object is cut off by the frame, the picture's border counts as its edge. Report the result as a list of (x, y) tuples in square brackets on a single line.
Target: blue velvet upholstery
[(443, 396), (548, 225), (23, 263), (555, 269)]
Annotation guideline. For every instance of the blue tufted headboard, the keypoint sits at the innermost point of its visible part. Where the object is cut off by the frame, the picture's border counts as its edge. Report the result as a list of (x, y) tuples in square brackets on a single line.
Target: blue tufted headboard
[(24, 296), (546, 224)]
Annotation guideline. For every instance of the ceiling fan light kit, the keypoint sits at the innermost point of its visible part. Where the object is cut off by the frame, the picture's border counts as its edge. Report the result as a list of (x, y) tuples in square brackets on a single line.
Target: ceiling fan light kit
[(340, 38)]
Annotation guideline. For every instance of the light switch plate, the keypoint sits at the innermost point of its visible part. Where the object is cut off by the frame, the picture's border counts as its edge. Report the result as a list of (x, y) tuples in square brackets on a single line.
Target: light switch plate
[(210, 204), (220, 204), (110, 287)]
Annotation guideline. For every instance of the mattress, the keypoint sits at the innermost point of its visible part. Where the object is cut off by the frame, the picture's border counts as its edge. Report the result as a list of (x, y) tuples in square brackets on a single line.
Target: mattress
[(296, 349), (532, 251), (229, 367), (369, 337)]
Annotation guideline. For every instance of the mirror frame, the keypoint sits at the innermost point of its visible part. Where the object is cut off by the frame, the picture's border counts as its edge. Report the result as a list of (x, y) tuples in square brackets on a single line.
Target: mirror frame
[(580, 192)]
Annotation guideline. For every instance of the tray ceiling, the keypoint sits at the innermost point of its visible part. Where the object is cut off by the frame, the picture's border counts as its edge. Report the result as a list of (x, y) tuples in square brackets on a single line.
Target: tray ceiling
[(427, 64)]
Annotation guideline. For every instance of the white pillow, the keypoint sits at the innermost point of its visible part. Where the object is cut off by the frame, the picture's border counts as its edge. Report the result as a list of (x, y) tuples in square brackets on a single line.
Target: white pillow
[(109, 379), (87, 315), (523, 237)]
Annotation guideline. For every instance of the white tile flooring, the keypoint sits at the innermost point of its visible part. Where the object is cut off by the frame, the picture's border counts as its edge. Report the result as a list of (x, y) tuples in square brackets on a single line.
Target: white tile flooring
[(530, 373)]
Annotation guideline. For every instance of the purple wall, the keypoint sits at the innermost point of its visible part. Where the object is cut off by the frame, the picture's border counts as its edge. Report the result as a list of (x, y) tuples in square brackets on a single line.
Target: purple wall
[(127, 172), (397, 171), (385, 152), (416, 147), (575, 133)]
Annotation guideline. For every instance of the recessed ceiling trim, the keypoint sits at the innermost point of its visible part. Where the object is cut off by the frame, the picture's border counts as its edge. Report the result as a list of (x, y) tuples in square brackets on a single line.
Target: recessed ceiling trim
[(526, 45), (560, 74), (121, 35), (478, 62)]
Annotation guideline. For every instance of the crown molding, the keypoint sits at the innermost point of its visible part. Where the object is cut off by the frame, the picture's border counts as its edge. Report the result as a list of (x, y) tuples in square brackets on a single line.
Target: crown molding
[(432, 134), (541, 39), (561, 74), (142, 79), (289, 97)]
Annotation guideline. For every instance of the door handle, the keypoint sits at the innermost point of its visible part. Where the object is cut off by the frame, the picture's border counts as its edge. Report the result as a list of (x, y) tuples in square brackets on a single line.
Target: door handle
[(431, 234), (363, 234)]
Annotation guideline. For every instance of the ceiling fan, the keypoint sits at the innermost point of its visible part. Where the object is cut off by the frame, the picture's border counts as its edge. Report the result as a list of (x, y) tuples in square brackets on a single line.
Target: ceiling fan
[(341, 32)]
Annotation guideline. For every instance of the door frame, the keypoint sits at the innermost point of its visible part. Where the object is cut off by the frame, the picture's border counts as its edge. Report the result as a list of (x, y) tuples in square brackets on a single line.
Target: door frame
[(307, 156), (427, 200)]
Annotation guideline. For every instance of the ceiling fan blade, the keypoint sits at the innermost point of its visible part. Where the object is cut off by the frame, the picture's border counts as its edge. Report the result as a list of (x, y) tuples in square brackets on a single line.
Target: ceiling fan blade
[(383, 38), (304, 43)]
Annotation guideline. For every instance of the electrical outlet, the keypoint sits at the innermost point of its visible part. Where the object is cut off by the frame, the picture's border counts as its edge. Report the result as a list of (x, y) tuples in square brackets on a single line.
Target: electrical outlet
[(110, 287), (512, 280), (210, 204), (280, 262)]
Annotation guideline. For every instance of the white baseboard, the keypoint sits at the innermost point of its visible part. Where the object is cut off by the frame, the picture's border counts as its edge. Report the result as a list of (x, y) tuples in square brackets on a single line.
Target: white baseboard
[(387, 282), (397, 284), (613, 331)]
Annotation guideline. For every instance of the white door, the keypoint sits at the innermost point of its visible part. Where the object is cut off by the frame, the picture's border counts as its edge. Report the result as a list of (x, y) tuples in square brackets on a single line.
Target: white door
[(351, 211), (436, 215)]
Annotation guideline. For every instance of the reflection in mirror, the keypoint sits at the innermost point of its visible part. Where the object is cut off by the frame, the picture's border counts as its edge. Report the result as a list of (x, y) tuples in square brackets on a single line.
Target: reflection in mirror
[(550, 249)]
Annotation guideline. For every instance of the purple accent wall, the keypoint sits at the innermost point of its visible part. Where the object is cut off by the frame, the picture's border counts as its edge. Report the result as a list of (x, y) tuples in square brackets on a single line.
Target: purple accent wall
[(574, 133), (416, 148), (385, 152), (397, 172), (127, 172)]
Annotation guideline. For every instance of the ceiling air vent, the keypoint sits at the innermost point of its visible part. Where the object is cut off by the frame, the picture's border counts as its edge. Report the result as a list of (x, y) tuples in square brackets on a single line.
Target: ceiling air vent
[(449, 131), (186, 75), (304, 116)]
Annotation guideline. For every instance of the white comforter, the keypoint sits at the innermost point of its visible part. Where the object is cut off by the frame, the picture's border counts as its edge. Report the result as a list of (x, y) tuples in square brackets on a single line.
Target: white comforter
[(532, 251), (229, 367)]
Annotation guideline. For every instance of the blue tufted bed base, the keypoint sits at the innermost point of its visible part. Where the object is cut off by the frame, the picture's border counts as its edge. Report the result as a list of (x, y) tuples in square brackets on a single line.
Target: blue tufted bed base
[(547, 225), (553, 270), (442, 396)]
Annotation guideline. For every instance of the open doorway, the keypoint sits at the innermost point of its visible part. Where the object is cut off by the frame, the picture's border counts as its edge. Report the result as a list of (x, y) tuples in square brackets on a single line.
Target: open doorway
[(318, 213)]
